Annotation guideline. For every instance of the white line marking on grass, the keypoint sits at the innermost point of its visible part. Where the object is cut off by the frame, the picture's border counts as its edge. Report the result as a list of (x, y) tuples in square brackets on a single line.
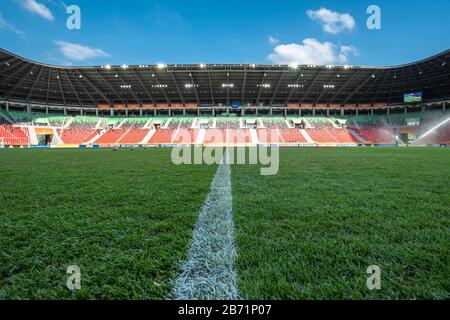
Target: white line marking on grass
[(209, 271)]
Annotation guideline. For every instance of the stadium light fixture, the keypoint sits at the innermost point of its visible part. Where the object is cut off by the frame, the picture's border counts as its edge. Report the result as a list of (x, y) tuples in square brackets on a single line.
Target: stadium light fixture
[(295, 85), (293, 66), (161, 66), (264, 85), (107, 67), (328, 86), (227, 85), (125, 86), (202, 66), (253, 66), (124, 66)]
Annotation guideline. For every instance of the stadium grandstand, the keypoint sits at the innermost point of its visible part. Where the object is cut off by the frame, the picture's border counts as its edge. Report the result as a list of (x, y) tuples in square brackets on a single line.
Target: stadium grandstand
[(219, 104)]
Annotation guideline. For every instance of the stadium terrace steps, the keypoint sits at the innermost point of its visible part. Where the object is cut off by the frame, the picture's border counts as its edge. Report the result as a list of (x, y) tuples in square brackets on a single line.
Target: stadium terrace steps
[(5, 117), (306, 136), (56, 138), (68, 123), (293, 136), (357, 136), (223, 130), (148, 136), (32, 135), (162, 136), (376, 135)]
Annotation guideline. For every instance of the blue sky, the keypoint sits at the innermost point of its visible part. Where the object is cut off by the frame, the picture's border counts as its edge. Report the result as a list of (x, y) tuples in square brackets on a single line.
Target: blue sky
[(232, 31)]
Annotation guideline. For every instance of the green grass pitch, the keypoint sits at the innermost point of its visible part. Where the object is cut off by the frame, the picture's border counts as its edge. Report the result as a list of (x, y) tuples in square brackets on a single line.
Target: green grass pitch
[(126, 219)]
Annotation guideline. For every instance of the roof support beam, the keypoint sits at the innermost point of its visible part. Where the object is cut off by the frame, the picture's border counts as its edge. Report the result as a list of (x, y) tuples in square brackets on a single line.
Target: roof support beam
[(109, 86), (131, 89), (195, 88), (34, 83), (244, 83), (61, 88), (312, 85), (291, 92), (260, 88), (141, 83), (211, 88), (15, 72), (178, 87), (86, 79), (85, 90), (10, 92), (73, 88), (274, 95), (357, 89)]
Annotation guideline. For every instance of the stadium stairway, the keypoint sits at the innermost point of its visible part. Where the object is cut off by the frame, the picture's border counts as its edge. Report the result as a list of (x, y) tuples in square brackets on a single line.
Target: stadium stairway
[(68, 123), (32, 135), (148, 136), (56, 137), (254, 136), (307, 136), (357, 136), (201, 136), (7, 119), (98, 136)]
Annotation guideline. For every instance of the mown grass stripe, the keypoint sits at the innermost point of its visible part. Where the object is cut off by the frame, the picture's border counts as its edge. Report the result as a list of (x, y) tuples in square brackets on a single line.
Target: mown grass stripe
[(209, 272)]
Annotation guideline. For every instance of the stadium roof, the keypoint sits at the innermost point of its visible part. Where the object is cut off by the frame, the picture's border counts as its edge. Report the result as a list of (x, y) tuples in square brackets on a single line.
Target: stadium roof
[(206, 85)]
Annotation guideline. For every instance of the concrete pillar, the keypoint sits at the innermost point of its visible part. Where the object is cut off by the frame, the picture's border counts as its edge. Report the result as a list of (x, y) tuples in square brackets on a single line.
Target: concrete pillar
[(184, 111), (46, 110), (406, 110), (314, 111), (154, 112), (111, 112), (126, 113), (140, 112), (388, 112), (7, 106), (214, 111), (65, 111), (285, 112), (270, 111), (342, 111), (81, 112), (228, 110), (257, 112), (299, 112), (357, 111), (198, 112), (371, 111), (96, 112), (328, 112), (28, 108), (444, 106)]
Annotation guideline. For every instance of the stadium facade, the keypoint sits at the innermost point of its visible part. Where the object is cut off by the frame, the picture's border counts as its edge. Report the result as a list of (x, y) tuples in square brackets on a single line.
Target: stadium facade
[(287, 104)]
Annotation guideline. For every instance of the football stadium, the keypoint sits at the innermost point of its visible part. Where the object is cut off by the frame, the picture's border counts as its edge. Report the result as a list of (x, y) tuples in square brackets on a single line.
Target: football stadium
[(94, 204)]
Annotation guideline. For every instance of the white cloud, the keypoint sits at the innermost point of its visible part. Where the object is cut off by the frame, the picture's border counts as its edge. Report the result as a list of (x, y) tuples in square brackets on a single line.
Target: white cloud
[(37, 8), (332, 22), (273, 41), (311, 51), (77, 52), (6, 25)]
